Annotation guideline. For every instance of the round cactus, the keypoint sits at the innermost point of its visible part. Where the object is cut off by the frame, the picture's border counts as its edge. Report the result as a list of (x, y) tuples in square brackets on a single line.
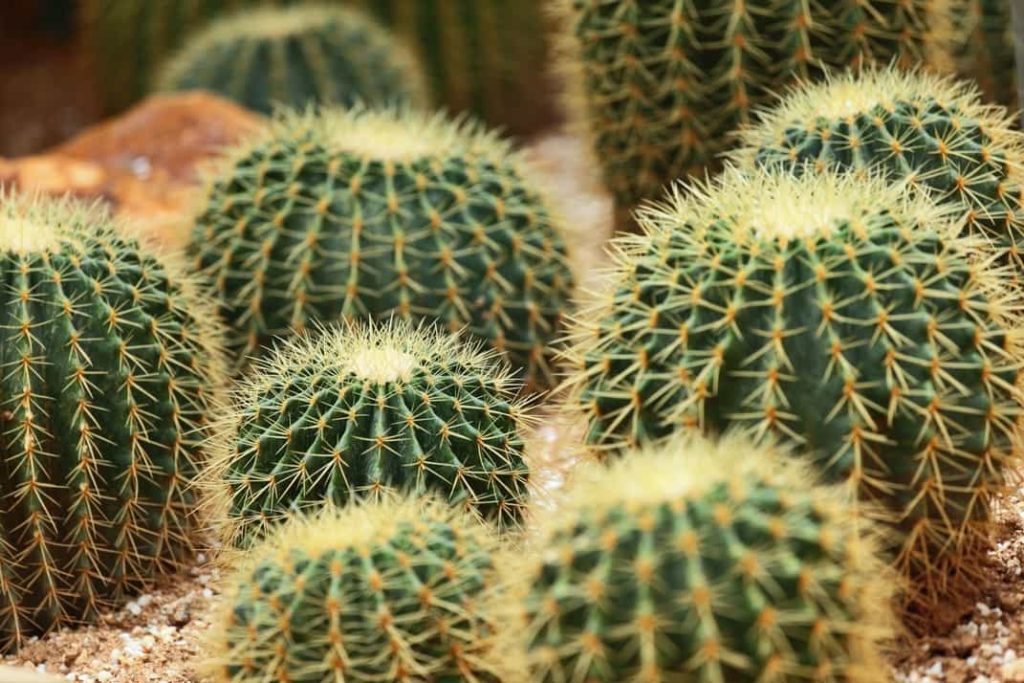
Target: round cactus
[(910, 127), (368, 411), (660, 87), (832, 312), (361, 214), (701, 562), (109, 374), (395, 592), (297, 56)]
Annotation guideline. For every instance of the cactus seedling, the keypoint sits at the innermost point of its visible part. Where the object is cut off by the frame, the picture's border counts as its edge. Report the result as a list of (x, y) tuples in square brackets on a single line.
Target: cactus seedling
[(702, 562), (661, 84), (297, 56), (837, 313), (396, 592), (108, 377), (372, 214), (365, 411), (930, 132)]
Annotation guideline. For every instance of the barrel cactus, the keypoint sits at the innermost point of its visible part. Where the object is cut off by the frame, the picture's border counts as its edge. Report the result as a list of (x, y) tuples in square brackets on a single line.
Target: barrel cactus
[(371, 214), (109, 372), (840, 314), (661, 84), (927, 131), (296, 56), (367, 411), (396, 592), (701, 562)]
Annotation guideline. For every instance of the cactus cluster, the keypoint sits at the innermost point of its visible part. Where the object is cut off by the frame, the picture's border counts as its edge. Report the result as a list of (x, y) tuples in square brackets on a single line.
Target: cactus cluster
[(370, 214), (395, 592), (109, 379), (661, 84), (837, 313), (296, 56), (911, 128), (367, 411), (701, 562)]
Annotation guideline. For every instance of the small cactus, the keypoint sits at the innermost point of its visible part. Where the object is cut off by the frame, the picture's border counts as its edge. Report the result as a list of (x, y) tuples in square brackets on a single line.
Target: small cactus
[(396, 592), (923, 130), (660, 85), (839, 314), (297, 56), (366, 411), (369, 214), (702, 562), (109, 376)]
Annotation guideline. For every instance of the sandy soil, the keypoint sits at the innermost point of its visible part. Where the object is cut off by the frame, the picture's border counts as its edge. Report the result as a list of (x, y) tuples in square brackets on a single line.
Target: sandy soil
[(157, 637)]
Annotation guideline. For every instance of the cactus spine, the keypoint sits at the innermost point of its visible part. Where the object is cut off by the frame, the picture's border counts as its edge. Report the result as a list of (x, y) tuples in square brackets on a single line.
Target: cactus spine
[(835, 313), (362, 214), (396, 592), (108, 379), (660, 84), (700, 562), (366, 411), (297, 56), (910, 127)]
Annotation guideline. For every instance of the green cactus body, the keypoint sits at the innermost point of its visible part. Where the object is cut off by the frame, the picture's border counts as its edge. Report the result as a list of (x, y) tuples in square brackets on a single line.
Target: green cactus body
[(985, 53), (363, 412), (701, 562), (365, 214), (660, 84), (130, 39), (483, 56), (832, 312), (297, 56), (108, 377), (909, 127), (397, 592)]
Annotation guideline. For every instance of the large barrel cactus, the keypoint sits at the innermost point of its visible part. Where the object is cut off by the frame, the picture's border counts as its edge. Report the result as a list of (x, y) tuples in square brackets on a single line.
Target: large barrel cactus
[(840, 314), (396, 592), (661, 84), (372, 214), (297, 56), (928, 132), (368, 411), (701, 562), (109, 375)]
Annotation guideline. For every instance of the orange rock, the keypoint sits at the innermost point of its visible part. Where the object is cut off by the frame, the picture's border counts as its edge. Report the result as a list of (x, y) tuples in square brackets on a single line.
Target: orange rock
[(144, 163)]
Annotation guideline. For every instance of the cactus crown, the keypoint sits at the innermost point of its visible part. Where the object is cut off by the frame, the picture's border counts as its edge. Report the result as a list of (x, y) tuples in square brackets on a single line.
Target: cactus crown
[(929, 131), (701, 561), (401, 591), (367, 411), (296, 55), (364, 214), (109, 377)]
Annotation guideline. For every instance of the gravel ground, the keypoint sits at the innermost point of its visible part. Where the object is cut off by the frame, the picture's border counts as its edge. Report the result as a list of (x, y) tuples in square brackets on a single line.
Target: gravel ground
[(157, 637)]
